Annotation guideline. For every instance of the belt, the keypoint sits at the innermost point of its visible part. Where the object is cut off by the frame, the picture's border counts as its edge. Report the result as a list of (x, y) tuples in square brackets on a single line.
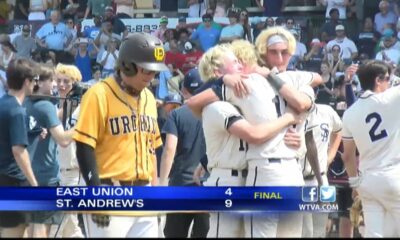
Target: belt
[(68, 169), (137, 182), (311, 177), (235, 173)]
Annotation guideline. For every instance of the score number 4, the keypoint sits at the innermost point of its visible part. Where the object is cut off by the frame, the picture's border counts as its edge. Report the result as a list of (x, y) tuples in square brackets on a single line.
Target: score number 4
[(228, 202)]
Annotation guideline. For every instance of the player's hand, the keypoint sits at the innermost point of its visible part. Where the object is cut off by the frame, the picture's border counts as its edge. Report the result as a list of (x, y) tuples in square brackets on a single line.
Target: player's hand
[(350, 72), (198, 173), (293, 117), (43, 134), (292, 139), (101, 220), (237, 83), (263, 71)]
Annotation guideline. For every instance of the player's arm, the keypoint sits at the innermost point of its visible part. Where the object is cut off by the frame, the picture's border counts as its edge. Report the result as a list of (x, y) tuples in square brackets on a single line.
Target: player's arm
[(258, 134), (87, 163), (312, 155), (349, 157), (22, 158), (336, 138), (167, 157)]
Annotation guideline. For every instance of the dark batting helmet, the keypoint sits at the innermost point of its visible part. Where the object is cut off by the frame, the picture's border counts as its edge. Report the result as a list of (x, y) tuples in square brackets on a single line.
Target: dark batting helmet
[(143, 50)]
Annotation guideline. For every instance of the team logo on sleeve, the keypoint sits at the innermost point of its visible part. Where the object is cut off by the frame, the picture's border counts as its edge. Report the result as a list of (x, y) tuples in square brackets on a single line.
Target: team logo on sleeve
[(159, 54)]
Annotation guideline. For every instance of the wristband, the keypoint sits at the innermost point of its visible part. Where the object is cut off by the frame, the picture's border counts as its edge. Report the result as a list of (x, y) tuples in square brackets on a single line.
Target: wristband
[(275, 81)]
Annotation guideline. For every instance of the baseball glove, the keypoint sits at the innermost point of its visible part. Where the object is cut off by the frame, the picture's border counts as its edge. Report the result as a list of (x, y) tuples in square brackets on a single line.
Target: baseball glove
[(356, 212)]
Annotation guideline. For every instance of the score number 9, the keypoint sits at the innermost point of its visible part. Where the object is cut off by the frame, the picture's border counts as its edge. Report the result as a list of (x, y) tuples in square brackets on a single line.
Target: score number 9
[(228, 202)]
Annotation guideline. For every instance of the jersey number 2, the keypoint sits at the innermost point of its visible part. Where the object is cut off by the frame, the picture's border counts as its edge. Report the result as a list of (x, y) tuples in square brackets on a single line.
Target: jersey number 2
[(373, 132)]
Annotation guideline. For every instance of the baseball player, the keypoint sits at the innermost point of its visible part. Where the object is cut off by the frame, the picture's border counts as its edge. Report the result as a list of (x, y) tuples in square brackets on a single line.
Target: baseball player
[(227, 136), (370, 125), (322, 133), (117, 134)]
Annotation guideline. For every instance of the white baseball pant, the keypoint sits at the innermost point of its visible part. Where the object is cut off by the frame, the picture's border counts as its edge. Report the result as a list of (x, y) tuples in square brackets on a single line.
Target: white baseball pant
[(314, 224), (225, 225), (274, 172), (380, 196)]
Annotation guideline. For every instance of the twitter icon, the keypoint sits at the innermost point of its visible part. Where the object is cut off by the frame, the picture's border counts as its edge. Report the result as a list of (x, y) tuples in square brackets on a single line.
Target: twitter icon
[(327, 194)]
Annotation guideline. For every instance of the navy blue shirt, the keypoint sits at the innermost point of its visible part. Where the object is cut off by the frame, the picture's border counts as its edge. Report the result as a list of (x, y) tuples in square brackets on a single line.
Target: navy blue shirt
[(43, 152), (191, 146), (13, 132)]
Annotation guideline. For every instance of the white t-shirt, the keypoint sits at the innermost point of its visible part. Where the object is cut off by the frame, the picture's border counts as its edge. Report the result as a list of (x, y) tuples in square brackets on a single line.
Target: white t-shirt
[(372, 122), (391, 53), (67, 155), (347, 46), (224, 150), (322, 121), (264, 104), (194, 10), (339, 4), (110, 63)]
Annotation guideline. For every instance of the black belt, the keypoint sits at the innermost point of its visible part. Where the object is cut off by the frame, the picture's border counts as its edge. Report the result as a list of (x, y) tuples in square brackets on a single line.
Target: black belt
[(139, 182), (235, 173), (274, 160), (311, 177), (68, 169)]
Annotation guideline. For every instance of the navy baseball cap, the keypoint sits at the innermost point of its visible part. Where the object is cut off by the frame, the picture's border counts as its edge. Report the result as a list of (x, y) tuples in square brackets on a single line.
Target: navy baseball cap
[(192, 80), (173, 98)]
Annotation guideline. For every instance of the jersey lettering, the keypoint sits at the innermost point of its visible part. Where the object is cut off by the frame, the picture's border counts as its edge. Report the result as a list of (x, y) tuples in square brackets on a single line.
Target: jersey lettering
[(372, 133), (324, 132), (126, 124)]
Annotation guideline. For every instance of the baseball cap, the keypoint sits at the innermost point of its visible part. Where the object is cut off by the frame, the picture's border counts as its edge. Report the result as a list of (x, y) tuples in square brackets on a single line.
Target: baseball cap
[(109, 9), (315, 41), (192, 80), (339, 28), (387, 33), (163, 19), (81, 40), (173, 98)]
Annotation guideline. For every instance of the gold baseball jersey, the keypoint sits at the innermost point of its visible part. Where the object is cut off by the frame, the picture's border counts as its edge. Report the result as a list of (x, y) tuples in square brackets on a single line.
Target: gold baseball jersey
[(122, 130)]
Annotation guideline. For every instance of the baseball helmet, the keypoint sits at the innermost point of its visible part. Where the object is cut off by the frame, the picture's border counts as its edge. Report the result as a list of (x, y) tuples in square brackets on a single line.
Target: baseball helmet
[(143, 50)]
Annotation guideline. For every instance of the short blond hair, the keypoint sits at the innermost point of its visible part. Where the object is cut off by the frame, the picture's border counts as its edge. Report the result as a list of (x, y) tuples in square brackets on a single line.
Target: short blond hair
[(212, 60), (263, 37), (69, 70), (245, 52)]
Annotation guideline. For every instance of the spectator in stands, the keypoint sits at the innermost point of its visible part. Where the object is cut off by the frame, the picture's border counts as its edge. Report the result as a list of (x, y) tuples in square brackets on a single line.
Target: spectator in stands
[(368, 38), (96, 75), (169, 34), (9, 53), (215, 25), (244, 21), (183, 37), (21, 10), (348, 47), (119, 27), (92, 31), (313, 59), (197, 8), (109, 58), (24, 43), (96, 7), (174, 56), (298, 56), (191, 58), (162, 87), (232, 31), (37, 8), (257, 26), (272, 8), (384, 16), (69, 22), (325, 93), (102, 39), (206, 36), (270, 22), (83, 57), (390, 48), (290, 23), (329, 27), (52, 35), (334, 58), (340, 5), (279, 21), (124, 8), (159, 33), (52, 5), (70, 10), (182, 24)]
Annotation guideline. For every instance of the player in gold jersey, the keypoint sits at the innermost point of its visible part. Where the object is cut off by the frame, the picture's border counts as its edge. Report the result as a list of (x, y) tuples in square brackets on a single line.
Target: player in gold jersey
[(117, 134)]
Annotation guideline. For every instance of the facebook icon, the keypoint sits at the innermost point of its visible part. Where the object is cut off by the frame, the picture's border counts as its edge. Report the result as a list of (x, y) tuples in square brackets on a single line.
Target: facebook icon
[(309, 194)]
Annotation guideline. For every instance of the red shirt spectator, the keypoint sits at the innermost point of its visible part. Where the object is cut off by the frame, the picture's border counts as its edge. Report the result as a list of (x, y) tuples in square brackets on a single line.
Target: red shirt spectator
[(191, 58), (173, 56)]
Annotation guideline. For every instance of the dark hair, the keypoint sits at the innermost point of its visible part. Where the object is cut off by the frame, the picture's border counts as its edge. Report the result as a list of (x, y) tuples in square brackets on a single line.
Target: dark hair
[(45, 73), (18, 71), (336, 45), (370, 71), (183, 30), (333, 10)]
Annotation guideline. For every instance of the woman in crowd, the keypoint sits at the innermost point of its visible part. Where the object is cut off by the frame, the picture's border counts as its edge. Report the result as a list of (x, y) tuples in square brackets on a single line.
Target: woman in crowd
[(244, 20)]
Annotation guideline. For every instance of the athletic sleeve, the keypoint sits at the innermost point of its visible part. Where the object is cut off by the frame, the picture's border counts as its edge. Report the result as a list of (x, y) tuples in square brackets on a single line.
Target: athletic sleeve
[(18, 131), (91, 122)]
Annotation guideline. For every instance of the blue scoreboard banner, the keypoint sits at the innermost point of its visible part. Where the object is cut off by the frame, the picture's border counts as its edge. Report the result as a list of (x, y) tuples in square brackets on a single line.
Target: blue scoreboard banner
[(254, 199)]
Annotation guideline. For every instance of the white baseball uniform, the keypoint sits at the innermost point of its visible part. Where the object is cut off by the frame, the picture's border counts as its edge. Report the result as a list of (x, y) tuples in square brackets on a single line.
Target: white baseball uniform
[(322, 121), (271, 163), (69, 176), (226, 162), (372, 122)]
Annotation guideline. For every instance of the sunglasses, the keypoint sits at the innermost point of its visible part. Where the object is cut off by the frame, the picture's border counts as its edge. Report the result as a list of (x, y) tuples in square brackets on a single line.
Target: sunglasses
[(206, 20)]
